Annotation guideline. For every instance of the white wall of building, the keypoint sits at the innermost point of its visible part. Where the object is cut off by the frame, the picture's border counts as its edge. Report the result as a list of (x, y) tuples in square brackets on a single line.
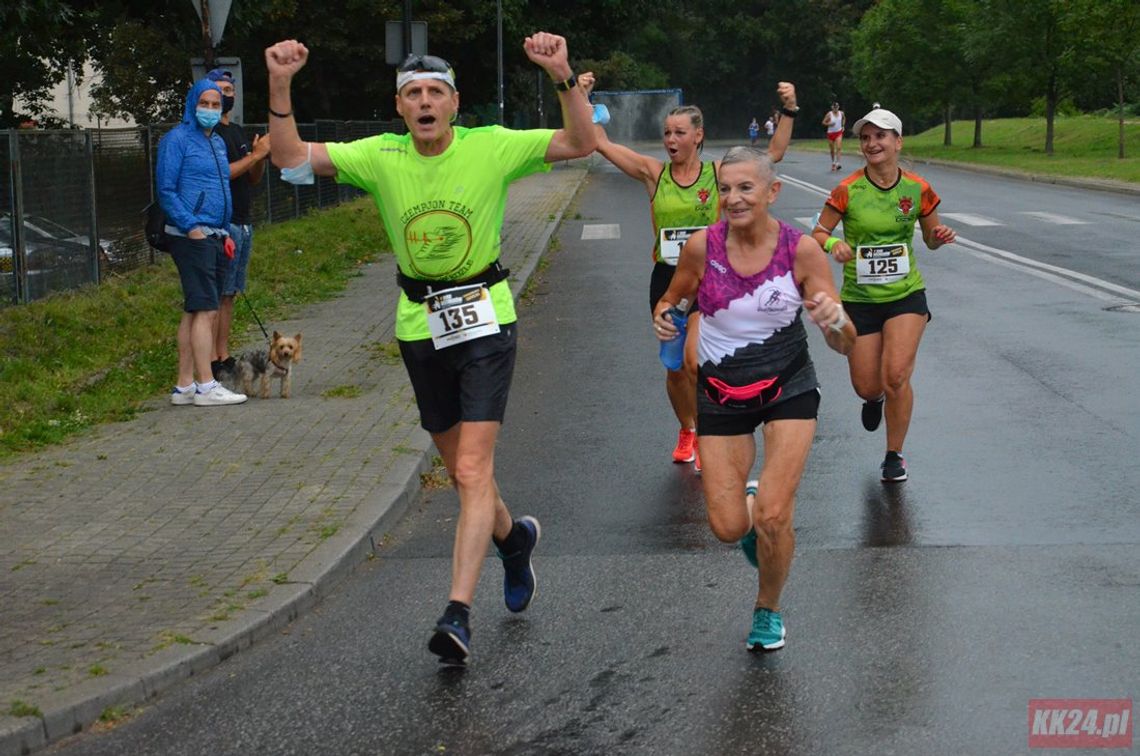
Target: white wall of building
[(71, 101)]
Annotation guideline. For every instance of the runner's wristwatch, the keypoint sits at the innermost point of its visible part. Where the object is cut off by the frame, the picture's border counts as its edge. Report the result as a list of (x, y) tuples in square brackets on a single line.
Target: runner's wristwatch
[(568, 85)]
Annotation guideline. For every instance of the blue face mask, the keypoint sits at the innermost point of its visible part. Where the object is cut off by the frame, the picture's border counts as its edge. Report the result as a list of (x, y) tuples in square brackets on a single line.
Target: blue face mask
[(208, 118), (300, 174)]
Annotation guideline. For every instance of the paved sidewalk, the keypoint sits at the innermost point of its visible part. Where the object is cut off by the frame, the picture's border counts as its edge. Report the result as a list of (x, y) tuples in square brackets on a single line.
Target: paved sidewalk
[(152, 550)]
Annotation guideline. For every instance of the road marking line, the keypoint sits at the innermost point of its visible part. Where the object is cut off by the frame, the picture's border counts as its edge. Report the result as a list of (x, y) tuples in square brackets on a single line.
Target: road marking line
[(1064, 273), (1060, 220), (601, 231), (970, 219)]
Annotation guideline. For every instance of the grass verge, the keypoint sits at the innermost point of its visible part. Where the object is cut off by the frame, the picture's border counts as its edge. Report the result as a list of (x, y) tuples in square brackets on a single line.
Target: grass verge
[(1083, 146), (95, 355)]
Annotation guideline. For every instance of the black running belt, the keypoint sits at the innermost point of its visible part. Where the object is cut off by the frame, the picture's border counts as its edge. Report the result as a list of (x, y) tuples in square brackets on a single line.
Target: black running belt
[(754, 395), (419, 290)]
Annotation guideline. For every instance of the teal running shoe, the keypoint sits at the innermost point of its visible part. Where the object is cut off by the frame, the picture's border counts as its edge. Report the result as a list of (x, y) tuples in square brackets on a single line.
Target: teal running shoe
[(748, 546), (767, 631), (748, 542)]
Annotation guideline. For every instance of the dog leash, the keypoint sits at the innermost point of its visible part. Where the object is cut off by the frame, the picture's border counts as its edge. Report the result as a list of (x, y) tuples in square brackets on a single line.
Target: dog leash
[(254, 313)]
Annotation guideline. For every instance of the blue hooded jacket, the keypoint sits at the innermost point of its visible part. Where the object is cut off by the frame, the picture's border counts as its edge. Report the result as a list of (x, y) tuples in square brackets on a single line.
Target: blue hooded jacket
[(193, 173)]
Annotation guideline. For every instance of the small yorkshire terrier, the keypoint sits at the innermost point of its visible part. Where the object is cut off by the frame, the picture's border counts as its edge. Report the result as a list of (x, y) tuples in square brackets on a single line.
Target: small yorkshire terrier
[(278, 363)]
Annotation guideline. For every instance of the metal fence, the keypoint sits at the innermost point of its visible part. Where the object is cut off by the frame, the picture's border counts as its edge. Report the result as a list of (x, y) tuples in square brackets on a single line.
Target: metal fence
[(71, 207)]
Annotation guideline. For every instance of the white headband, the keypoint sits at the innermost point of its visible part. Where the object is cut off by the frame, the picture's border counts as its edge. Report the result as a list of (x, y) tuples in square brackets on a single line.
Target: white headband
[(404, 77)]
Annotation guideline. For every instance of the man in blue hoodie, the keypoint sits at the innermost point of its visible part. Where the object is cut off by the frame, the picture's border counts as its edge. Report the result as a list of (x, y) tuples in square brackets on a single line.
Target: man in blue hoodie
[(192, 179)]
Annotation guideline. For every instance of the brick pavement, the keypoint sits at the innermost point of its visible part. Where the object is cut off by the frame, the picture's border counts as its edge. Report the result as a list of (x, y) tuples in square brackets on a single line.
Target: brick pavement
[(150, 550)]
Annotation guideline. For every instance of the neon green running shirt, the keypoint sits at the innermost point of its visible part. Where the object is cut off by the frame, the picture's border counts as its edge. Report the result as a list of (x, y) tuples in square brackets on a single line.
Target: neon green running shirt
[(675, 206), (876, 216), (443, 214)]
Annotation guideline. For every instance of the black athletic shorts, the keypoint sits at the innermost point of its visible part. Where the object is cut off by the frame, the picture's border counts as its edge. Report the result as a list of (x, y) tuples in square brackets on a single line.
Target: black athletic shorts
[(803, 406), (659, 282), (468, 381), (869, 317), (201, 267)]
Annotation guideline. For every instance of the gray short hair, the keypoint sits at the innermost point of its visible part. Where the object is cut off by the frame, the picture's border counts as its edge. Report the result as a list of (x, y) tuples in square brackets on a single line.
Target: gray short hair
[(743, 154)]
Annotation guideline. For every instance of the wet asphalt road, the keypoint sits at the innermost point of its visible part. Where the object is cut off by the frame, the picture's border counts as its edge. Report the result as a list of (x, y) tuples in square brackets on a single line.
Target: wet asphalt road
[(921, 618)]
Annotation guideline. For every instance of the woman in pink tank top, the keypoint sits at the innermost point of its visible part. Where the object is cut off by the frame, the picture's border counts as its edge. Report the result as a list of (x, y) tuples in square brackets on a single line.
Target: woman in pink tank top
[(755, 275)]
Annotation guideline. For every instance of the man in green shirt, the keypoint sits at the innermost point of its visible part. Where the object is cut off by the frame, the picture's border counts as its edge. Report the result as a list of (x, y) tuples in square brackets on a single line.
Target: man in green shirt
[(441, 191)]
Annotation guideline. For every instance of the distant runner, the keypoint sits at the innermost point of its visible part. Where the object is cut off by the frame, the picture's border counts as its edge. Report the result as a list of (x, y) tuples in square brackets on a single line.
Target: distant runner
[(835, 120)]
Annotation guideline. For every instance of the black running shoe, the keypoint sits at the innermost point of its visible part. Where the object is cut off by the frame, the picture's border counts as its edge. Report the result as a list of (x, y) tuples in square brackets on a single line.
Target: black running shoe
[(873, 413), (451, 642), (893, 468)]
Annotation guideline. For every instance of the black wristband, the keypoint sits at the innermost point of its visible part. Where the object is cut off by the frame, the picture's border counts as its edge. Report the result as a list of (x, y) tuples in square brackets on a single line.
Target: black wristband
[(568, 85), (273, 112), (785, 111)]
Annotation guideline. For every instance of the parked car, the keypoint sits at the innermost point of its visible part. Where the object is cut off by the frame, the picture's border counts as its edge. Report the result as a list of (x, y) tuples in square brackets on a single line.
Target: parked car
[(52, 264), (44, 228)]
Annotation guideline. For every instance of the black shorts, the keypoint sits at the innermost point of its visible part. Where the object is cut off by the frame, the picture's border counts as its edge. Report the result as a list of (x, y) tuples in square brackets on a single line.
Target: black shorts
[(803, 406), (201, 267), (659, 282), (468, 381), (868, 317)]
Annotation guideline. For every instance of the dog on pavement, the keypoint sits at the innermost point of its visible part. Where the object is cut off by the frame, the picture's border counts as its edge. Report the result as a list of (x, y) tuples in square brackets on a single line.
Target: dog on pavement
[(276, 362)]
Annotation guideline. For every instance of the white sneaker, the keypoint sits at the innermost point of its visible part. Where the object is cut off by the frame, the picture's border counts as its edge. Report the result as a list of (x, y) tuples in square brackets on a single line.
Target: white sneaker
[(217, 396), (182, 397)]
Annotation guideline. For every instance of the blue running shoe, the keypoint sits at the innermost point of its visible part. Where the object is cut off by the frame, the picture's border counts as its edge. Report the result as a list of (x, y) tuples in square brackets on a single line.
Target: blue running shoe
[(518, 573), (767, 631), (451, 642)]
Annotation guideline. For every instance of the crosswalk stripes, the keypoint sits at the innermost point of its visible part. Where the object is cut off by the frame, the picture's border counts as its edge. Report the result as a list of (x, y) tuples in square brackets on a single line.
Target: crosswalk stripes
[(970, 219), (1059, 220)]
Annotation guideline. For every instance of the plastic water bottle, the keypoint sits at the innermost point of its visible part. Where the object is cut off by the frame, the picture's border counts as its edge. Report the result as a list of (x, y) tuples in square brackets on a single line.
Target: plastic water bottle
[(601, 114), (673, 351)]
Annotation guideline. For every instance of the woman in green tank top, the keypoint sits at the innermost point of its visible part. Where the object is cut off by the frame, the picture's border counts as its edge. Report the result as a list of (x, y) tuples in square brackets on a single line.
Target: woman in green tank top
[(683, 198)]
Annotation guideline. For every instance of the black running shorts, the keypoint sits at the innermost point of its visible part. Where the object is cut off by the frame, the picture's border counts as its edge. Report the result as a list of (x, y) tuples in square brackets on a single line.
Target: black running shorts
[(803, 406), (465, 382), (659, 282), (869, 317)]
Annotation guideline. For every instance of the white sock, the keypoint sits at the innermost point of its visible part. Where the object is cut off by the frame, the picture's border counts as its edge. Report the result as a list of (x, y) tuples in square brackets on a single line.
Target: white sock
[(185, 389), (205, 387)]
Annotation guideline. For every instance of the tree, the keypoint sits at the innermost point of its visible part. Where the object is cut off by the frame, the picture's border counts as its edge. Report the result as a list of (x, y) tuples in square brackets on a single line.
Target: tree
[(1044, 49), (1110, 31), (145, 73), (39, 41), (908, 55), (989, 70)]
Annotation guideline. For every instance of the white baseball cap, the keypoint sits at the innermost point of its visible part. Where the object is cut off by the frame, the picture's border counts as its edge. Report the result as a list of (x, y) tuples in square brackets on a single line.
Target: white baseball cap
[(884, 119)]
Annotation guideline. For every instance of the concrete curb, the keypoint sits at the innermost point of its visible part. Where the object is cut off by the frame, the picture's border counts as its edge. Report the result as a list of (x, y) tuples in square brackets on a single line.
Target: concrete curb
[(334, 559), (1101, 185)]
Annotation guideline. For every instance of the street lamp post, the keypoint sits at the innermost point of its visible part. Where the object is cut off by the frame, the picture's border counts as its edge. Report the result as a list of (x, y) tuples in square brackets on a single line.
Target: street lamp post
[(207, 35), (499, 17)]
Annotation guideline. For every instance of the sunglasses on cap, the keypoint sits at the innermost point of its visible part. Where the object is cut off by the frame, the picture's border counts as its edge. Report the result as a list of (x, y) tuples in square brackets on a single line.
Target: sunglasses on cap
[(424, 63)]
